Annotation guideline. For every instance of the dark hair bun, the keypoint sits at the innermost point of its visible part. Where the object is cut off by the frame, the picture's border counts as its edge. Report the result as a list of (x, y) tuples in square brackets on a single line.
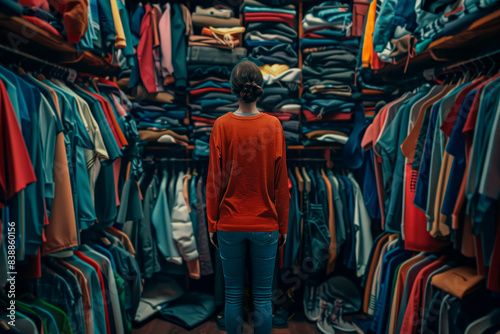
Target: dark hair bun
[(250, 92), (246, 81)]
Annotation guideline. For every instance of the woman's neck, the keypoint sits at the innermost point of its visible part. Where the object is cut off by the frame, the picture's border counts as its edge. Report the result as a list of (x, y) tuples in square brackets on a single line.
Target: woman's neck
[(248, 108)]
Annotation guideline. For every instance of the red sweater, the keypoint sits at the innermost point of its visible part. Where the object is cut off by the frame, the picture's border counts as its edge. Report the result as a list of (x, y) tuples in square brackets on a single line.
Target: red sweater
[(247, 182)]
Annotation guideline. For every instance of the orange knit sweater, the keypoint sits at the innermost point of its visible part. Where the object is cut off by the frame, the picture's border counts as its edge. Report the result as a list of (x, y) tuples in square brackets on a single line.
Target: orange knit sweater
[(247, 182)]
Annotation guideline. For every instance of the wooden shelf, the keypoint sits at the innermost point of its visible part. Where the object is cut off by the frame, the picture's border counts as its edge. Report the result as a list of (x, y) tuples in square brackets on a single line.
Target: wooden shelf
[(290, 147), (20, 34), (302, 147), (170, 147), (479, 37)]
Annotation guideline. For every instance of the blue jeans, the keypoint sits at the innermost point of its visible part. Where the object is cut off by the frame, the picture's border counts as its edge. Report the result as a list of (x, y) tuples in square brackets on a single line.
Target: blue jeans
[(263, 249)]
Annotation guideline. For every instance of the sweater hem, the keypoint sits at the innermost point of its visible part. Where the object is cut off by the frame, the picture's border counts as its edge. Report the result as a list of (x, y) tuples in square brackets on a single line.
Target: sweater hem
[(247, 224)]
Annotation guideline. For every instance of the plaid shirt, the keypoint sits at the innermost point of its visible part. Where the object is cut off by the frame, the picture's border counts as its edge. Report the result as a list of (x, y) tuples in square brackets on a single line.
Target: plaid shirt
[(56, 290)]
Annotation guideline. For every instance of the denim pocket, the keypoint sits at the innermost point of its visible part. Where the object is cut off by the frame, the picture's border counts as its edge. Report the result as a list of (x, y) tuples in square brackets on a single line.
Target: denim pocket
[(226, 236), (266, 237)]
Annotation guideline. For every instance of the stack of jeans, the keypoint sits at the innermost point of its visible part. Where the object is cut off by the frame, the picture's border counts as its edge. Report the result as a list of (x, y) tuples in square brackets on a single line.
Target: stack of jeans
[(329, 52), (272, 40), (213, 50)]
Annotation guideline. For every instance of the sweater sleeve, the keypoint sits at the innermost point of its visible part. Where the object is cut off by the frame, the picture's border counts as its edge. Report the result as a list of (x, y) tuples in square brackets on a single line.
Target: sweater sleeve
[(214, 179), (282, 193)]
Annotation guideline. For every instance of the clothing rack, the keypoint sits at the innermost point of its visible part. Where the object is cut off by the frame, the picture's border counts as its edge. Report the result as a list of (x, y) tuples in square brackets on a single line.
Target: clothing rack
[(469, 61), (430, 75), (55, 70)]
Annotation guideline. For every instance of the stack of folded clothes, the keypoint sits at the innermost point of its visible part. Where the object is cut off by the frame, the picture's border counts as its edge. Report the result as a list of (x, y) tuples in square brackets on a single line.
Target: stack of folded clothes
[(329, 51), (213, 50), (161, 124), (272, 41)]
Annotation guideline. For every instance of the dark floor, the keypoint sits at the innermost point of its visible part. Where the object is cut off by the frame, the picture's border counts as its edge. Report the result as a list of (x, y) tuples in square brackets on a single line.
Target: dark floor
[(298, 324)]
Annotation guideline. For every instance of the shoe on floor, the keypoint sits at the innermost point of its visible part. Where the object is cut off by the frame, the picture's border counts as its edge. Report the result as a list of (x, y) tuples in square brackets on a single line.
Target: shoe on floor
[(324, 325), (312, 310), (221, 321), (280, 318), (332, 316)]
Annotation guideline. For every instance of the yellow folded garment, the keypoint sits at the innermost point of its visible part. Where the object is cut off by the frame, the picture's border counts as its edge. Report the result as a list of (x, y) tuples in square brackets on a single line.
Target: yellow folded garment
[(223, 31), (274, 70), (150, 135), (319, 133), (458, 282)]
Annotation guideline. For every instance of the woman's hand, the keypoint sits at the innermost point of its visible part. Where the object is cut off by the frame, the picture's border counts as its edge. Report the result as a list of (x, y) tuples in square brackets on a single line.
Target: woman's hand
[(213, 239), (282, 241)]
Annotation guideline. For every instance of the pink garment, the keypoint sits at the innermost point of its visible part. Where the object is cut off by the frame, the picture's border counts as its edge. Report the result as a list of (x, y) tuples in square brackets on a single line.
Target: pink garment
[(119, 108), (167, 68), (155, 22)]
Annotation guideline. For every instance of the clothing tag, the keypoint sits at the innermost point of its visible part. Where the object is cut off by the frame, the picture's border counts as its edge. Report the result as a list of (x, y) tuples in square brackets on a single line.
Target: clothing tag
[(106, 241), (71, 75)]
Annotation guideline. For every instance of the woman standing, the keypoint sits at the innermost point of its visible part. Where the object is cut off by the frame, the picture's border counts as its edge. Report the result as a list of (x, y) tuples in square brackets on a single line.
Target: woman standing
[(247, 197)]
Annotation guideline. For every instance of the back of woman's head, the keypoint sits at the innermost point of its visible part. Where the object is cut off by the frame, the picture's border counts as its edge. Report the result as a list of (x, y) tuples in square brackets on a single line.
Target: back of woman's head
[(246, 81)]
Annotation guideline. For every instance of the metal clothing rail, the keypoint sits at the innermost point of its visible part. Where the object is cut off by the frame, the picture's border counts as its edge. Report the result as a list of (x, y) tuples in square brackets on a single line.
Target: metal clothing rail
[(56, 70), (430, 75), (466, 62)]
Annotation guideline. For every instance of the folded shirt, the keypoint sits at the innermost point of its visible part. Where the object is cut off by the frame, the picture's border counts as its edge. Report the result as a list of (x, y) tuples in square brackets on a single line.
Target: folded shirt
[(259, 36), (279, 54), (211, 84), (149, 135), (211, 41), (251, 43), (353, 48), (212, 103), (201, 72), (341, 116), (251, 9), (285, 4), (321, 70), (215, 12), (272, 28), (341, 21), (292, 75), (215, 95), (342, 77), (320, 81), (226, 36), (273, 70), (309, 42), (215, 56), (320, 57), (193, 83), (339, 89), (270, 17), (225, 31), (326, 14), (153, 112), (331, 34), (458, 282), (207, 21)]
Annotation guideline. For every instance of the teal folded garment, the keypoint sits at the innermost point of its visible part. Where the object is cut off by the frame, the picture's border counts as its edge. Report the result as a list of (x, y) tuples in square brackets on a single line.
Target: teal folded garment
[(248, 9)]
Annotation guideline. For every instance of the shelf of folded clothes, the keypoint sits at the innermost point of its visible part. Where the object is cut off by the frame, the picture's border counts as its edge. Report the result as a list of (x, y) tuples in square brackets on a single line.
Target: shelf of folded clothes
[(458, 34), (163, 125), (329, 51), (271, 39), (25, 36), (213, 49)]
